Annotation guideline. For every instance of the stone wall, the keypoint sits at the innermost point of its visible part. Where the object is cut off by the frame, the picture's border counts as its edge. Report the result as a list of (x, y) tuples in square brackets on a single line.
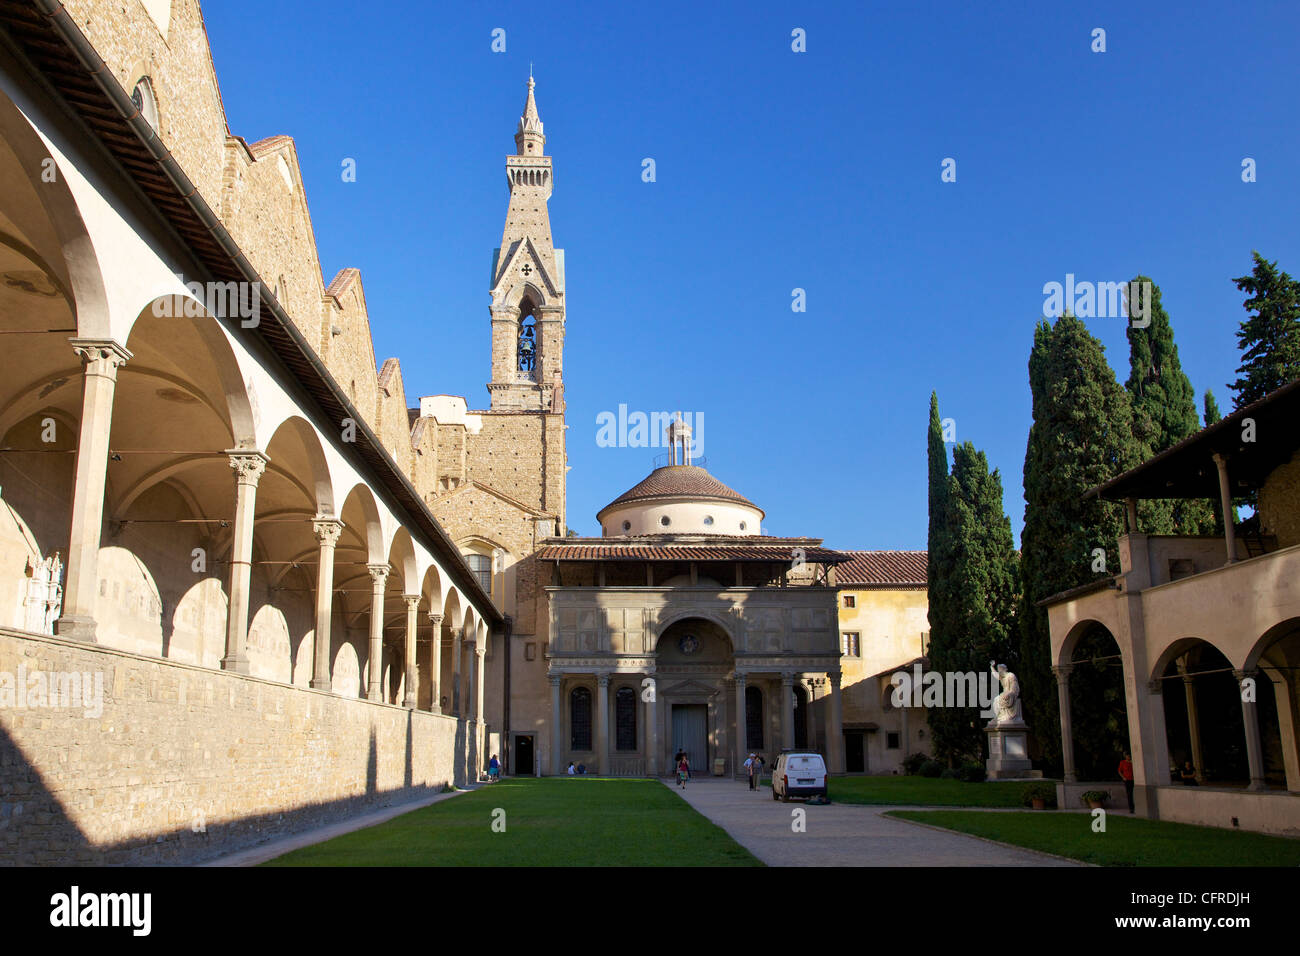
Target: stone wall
[(177, 763), (1279, 503)]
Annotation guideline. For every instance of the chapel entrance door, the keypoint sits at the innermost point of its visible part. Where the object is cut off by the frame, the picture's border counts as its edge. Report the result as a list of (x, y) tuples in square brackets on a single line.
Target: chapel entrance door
[(523, 756), (691, 734)]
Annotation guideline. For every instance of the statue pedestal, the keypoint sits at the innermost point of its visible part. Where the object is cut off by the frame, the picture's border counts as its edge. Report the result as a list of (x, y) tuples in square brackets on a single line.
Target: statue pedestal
[(1008, 751)]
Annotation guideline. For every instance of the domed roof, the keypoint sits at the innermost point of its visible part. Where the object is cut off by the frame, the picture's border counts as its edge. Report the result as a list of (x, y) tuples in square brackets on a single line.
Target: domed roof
[(680, 481)]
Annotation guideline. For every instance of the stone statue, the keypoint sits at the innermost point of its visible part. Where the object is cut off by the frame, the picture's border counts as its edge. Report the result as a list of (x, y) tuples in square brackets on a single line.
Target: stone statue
[(1006, 706)]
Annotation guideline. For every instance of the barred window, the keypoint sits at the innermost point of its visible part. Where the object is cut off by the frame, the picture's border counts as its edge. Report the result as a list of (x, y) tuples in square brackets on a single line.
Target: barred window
[(850, 645), (580, 719), (850, 601), (625, 718), (481, 565)]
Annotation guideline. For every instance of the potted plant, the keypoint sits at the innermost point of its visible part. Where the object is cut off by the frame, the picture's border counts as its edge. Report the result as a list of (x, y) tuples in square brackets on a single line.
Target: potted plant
[(1039, 795), (1095, 798)]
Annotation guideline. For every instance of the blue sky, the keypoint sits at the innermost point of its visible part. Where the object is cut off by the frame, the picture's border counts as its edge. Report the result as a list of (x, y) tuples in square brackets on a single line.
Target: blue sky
[(779, 170)]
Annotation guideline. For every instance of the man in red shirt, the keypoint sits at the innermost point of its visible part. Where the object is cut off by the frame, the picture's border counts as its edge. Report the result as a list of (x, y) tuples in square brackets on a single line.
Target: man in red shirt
[(1126, 774)]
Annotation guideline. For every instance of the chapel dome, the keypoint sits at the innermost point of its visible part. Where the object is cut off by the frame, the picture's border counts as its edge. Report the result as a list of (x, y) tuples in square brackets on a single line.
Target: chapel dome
[(680, 499)]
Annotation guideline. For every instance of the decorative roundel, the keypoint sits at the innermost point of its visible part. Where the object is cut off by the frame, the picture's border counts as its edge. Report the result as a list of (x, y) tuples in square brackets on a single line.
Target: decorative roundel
[(688, 644)]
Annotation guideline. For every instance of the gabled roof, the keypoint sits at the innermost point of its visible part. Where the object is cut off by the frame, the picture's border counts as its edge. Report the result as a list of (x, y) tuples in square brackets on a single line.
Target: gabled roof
[(883, 570)]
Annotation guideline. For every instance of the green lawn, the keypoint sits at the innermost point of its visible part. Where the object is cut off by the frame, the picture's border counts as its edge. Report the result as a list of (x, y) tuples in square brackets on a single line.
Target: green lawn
[(548, 822), (925, 792), (1127, 841)]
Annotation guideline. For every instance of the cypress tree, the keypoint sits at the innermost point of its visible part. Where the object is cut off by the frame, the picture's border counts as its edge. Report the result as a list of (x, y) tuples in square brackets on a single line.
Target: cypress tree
[(982, 596), (1270, 338), (1081, 436), (1212, 413), (939, 579), (1164, 413)]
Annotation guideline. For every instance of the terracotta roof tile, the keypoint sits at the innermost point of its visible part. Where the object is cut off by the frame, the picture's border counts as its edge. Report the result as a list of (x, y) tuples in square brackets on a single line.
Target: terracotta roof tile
[(679, 481), (685, 552), (883, 569)]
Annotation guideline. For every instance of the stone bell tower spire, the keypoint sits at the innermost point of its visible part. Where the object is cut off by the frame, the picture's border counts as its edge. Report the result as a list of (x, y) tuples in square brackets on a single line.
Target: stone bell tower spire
[(528, 281)]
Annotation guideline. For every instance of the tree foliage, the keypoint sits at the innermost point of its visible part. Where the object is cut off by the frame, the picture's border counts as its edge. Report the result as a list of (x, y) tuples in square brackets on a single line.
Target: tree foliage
[(1081, 436), (1269, 338)]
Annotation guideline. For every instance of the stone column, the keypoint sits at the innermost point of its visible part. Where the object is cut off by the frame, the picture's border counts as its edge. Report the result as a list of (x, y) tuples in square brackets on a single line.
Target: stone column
[(437, 684), (555, 723), (742, 736), (651, 730), (1225, 502), (378, 578), (248, 467), (412, 697), (787, 711), (1193, 721), (602, 724), (327, 533), (1250, 720), (835, 745), (1062, 673), (457, 648), (478, 677), (100, 360)]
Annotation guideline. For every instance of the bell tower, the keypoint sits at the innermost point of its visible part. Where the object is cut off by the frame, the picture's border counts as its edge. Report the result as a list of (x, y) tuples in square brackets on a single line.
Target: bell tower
[(527, 283)]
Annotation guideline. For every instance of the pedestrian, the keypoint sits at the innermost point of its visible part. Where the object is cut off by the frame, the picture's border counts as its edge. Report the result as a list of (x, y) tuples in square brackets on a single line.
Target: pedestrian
[(494, 769), (1126, 774), (751, 767), (1189, 775), (683, 770)]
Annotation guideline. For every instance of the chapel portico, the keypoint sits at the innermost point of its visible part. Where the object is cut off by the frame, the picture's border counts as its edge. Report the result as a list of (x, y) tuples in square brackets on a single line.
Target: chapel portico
[(702, 642)]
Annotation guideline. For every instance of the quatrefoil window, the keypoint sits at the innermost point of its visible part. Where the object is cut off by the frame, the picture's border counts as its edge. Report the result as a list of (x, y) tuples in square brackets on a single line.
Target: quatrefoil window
[(527, 269)]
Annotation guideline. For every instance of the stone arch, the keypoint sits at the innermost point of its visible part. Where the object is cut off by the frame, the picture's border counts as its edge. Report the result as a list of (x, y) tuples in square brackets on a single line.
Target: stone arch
[(722, 621), (308, 468), (401, 558), (1274, 660), (1204, 725), (1099, 718), (360, 512), (37, 184)]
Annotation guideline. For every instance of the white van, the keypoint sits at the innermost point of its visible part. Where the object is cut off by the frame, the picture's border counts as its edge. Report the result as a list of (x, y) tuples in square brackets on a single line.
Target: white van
[(798, 774)]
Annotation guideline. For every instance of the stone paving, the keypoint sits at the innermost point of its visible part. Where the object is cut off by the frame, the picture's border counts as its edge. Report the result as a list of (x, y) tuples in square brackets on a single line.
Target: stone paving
[(841, 834)]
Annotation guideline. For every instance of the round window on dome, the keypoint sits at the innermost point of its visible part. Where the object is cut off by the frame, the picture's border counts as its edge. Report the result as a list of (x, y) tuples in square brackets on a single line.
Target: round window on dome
[(627, 526), (742, 526), (665, 521), (708, 519)]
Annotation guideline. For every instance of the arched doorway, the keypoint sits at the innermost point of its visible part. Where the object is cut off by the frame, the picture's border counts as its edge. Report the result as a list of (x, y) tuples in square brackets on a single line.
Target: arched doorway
[(1098, 705), (694, 658)]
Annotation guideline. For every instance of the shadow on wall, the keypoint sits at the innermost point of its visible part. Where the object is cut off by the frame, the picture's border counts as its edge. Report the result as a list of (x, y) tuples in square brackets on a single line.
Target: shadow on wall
[(36, 829)]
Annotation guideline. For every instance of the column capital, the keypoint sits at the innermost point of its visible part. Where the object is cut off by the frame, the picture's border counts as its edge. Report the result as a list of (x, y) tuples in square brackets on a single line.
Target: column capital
[(602, 678), (834, 678), (554, 680), (480, 650), (248, 464), (740, 677), (435, 618), (101, 356), (378, 573), (412, 601), (327, 529), (787, 678), (1062, 672)]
